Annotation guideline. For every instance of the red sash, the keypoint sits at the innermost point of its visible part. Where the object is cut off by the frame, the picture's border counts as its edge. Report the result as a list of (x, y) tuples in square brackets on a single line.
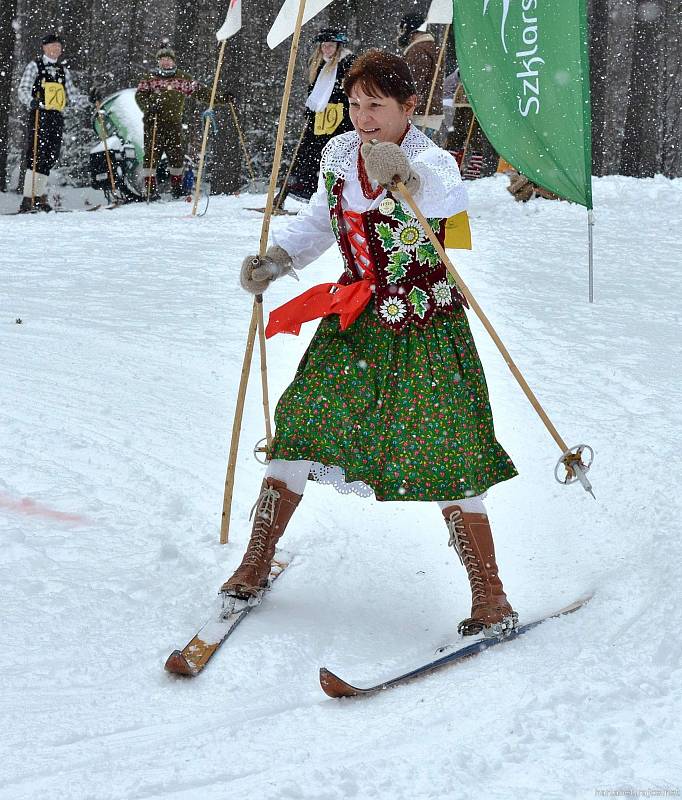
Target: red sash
[(348, 301)]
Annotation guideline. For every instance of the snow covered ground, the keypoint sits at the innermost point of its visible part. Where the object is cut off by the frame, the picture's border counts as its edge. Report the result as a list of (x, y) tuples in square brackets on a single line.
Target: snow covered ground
[(116, 402)]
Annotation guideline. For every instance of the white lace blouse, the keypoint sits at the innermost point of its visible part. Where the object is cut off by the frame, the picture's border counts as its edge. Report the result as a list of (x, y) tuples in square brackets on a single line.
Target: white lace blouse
[(441, 192)]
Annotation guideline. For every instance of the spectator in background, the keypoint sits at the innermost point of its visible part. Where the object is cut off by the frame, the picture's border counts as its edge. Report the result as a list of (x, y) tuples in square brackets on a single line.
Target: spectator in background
[(326, 109), (421, 54), (45, 89), (161, 96)]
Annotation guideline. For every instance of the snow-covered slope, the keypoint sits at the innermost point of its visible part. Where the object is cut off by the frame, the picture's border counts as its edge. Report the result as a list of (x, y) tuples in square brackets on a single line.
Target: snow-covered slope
[(116, 402)]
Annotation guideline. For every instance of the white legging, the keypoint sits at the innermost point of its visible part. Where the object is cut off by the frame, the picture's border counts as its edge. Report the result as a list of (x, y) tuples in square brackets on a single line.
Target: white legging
[(295, 475)]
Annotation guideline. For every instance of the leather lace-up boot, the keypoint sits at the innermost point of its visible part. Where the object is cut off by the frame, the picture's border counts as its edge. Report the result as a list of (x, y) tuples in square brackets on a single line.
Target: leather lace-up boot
[(472, 539), (271, 514)]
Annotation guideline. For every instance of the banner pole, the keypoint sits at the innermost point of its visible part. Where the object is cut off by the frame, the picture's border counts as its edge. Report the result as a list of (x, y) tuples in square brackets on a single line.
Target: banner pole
[(257, 311), (103, 137), (207, 122), (281, 195), (242, 141), (36, 125), (587, 135), (590, 239), (237, 429), (468, 139), (151, 160)]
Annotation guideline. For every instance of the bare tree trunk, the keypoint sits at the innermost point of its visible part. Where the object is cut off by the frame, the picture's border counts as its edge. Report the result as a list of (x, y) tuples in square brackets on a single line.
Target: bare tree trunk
[(669, 111), (72, 20), (135, 45), (598, 14), (8, 11), (184, 39), (638, 156)]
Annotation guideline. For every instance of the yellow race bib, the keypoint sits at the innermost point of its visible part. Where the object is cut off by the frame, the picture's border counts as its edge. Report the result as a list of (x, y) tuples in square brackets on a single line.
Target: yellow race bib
[(327, 121), (55, 96)]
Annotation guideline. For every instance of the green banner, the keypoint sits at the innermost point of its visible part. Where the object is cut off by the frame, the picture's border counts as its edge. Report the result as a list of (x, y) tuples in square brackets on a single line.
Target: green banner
[(525, 70)]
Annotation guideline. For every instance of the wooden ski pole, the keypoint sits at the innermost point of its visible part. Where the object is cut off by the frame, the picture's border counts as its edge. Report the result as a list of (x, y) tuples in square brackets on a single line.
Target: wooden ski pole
[(36, 125), (207, 122), (151, 160), (468, 139), (281, 195), (479, 313), (103, 137), (242, 140), (236, 428), (437, 70), (257, 311)]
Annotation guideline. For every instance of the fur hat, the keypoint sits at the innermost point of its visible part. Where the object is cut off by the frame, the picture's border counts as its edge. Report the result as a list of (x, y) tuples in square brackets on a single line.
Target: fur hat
[(332, 35), (411, 22)]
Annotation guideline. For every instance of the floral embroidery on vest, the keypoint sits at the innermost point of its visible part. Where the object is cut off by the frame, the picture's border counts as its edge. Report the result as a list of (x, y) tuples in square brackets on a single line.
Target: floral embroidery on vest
[(411, 281)]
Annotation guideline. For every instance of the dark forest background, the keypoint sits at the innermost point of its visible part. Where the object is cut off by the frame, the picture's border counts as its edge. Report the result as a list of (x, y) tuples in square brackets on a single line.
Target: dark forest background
[(635, 48)]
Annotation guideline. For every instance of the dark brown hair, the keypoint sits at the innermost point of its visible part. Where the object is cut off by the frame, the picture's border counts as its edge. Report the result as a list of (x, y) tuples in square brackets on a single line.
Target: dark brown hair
[(381, 73)]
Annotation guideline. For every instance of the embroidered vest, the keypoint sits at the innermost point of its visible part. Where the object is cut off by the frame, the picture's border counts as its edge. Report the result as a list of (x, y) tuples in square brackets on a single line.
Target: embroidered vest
[(412, 283), (49, 87), (169, 83)]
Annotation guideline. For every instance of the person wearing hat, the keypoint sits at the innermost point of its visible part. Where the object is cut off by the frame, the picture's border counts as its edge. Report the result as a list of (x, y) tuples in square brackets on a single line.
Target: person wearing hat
[(421, 54), (326, 109), (161, 96), (45, 89)]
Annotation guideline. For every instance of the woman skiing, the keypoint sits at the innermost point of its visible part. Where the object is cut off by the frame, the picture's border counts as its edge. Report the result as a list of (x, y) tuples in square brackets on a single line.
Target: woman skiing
[(326, 112), (390, 396)]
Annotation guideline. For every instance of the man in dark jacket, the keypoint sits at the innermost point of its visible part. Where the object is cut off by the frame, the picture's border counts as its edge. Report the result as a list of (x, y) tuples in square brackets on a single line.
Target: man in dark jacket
[(161, 95), (45, 89), (421, 54)]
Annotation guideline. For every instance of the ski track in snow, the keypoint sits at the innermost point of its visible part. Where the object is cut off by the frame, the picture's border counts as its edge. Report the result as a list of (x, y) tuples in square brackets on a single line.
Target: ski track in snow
[(117, 396)]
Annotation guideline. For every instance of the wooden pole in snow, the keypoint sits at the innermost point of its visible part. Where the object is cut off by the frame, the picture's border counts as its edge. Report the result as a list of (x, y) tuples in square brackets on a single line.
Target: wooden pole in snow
[(257, 310), (207, 122), (151, 160), (437, 70)]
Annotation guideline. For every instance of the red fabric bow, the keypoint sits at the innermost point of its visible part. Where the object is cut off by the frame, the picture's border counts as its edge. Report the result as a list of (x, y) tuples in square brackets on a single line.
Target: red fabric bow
[(348, 302)]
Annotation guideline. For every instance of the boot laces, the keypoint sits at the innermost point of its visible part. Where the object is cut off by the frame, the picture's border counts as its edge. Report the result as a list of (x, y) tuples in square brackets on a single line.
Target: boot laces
[(266, 504), (265, 508), (465, 552)]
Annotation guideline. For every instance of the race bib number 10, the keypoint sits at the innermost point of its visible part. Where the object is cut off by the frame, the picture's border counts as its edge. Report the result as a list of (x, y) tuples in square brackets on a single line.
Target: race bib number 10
[(55, 96), (327, 121)]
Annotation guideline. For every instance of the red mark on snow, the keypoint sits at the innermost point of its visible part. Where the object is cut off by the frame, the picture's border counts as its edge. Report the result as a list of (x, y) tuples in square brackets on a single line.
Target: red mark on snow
[(30, 508)]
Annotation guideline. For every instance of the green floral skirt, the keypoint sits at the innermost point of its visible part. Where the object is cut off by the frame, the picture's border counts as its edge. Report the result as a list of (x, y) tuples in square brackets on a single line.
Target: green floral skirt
[(405, 413)]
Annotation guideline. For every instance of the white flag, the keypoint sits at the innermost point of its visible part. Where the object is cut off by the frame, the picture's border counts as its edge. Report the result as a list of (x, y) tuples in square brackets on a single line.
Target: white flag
[(285, 23), (233, 21), (440, 12)]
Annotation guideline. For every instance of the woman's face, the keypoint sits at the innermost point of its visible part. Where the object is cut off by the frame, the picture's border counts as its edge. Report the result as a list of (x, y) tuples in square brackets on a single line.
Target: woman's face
[(328, 49), (382, 118)]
